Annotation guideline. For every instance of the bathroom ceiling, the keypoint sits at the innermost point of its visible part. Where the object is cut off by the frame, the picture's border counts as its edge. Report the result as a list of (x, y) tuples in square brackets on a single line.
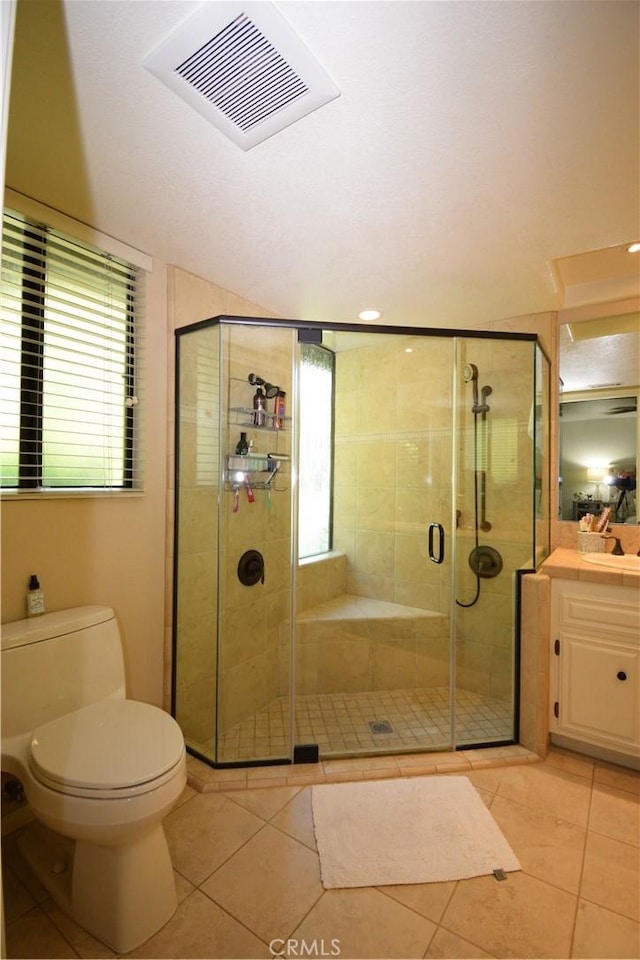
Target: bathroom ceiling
[(475, 150)]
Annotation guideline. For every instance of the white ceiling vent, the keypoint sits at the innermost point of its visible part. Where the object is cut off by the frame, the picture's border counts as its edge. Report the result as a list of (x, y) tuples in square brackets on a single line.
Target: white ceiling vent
[(243, 68)]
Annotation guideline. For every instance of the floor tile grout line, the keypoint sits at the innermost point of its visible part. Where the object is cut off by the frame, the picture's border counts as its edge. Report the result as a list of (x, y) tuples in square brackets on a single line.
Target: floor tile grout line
[(265, 823), (228, 913), (229, 796), (581, 877), (312, 907), (51, 920), (608, 836), (602, 906), (442, 926), (542, 811), (302, 843), (436, 923)]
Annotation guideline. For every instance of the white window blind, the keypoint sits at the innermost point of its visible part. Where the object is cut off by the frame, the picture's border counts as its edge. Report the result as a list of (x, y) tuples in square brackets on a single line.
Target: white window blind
[(68, 351)]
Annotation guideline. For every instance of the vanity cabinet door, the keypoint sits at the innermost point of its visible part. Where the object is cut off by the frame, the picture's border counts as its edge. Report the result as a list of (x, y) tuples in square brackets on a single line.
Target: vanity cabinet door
[(599, 691), (595, 665)]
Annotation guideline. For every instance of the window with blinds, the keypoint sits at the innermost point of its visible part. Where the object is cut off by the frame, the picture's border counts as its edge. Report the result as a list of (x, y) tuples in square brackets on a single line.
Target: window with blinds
[(67, 363)]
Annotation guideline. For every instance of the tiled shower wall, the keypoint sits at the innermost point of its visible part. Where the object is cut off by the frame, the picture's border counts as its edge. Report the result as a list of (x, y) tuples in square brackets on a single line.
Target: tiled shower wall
[(393, 477), (250, 670), (228, 663), (485, 631), (392, 468), (192, 299)]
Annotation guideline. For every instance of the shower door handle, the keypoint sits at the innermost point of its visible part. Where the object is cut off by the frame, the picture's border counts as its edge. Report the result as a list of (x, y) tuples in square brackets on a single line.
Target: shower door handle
[(439, 557)]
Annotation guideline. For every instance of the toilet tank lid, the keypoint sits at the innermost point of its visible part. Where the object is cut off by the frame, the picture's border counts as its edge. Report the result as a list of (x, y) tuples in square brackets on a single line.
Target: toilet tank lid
[(19, 633)]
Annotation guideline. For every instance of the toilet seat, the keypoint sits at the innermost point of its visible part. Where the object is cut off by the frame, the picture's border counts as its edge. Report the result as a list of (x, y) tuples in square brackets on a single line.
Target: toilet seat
[(108, 750)]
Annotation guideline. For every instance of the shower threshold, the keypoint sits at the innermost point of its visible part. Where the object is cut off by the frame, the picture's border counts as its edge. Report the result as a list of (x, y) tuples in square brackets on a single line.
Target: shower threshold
[(355, 724)]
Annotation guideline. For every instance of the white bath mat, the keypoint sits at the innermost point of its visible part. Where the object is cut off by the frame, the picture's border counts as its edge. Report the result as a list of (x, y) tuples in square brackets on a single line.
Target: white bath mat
[(413, 830)]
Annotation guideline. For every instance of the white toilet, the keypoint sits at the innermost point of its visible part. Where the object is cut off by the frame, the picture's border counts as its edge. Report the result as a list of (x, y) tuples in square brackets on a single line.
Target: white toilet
[(98, 770)]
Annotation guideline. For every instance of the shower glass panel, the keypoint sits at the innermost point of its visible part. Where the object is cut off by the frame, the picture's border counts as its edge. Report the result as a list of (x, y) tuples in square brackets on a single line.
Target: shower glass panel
[(402, 637), (233, 575), (195, 588), (255, 538), (495, 515)]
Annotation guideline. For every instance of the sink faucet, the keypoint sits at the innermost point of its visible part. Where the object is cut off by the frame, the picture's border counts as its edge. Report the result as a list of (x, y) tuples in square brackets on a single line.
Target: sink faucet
[(617, 547)]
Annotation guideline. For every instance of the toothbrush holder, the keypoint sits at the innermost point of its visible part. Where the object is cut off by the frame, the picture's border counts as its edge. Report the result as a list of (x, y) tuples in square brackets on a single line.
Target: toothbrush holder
[(591, 543)]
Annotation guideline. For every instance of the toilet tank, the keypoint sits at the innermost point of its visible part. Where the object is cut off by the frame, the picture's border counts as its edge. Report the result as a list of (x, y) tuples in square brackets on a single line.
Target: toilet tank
[(56, 663)]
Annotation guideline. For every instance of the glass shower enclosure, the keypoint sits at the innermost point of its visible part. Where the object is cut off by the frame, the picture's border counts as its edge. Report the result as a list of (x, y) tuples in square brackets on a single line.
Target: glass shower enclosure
[(354, 507)]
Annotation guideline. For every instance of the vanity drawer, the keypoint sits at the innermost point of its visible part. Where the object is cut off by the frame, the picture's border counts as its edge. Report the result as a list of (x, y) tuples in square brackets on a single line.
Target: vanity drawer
[(610, 610)]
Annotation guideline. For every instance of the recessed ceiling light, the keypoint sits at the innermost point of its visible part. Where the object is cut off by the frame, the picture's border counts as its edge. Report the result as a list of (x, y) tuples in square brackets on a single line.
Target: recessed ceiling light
[(634, 248), (369, 315)]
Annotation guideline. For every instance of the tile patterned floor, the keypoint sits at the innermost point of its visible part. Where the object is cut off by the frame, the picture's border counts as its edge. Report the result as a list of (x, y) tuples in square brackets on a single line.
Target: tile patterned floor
[(248, 874), (341, 724)]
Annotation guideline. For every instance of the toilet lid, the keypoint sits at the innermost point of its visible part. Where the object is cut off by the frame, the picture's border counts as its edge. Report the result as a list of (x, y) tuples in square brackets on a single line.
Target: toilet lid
[(107, 745)]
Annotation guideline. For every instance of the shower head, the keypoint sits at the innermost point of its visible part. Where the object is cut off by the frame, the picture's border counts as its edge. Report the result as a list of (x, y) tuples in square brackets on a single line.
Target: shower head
[(270, 390), (470, 375)]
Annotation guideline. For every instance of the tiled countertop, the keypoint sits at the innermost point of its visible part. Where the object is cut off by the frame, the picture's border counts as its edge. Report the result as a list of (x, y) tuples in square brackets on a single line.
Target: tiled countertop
[(570, 565)]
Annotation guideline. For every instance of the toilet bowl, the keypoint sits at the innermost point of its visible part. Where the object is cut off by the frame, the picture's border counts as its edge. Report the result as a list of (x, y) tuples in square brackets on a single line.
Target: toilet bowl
[(100, 772)]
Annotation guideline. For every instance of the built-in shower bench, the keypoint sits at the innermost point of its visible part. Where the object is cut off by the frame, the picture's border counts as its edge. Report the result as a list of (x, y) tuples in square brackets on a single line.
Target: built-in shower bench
[(349, 606), (351, 643)]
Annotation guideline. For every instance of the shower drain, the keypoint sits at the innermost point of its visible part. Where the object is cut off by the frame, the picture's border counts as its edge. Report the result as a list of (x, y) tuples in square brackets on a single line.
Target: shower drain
[(380, 726)]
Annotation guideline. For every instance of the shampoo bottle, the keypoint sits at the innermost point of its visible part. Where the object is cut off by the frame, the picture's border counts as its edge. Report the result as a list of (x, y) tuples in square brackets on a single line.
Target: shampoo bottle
[(259, 415), (35, 598), (278, 410)]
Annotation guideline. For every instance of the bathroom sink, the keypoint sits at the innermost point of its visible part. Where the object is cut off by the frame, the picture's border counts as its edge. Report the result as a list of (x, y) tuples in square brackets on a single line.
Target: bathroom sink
[(627, 562)]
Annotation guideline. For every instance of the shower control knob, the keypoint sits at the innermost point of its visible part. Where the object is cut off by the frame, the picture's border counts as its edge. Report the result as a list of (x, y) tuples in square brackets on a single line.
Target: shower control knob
[(251, 568)]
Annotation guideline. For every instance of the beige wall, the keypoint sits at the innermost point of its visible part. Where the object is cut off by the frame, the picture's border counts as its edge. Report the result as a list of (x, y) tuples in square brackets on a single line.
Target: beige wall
[(105, 549)]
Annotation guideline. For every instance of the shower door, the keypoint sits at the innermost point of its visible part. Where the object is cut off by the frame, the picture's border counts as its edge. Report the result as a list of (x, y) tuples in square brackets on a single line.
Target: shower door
[(373, 656), (405, 632)]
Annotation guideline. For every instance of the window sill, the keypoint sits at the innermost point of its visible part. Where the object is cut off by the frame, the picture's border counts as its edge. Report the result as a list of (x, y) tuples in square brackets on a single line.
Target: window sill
[(68, 494), (320, 557)]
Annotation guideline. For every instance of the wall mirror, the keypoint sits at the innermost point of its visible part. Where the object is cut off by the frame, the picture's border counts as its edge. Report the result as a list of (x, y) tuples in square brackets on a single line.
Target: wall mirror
[(598, 426)]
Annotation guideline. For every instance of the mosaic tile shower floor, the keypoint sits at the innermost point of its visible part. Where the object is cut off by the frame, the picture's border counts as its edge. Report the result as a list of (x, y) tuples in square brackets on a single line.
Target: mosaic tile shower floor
[(372, 722)]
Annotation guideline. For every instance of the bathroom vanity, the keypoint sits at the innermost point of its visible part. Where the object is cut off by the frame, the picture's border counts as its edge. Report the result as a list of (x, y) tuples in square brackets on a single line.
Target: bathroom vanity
[(595, 655)]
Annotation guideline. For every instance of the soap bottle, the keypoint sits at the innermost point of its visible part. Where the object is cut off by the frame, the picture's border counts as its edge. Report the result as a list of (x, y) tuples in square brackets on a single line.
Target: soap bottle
[(35, 598), (242, 448)]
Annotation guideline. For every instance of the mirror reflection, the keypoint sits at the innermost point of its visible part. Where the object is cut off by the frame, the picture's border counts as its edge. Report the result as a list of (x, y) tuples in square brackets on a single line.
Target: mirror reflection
[(598, 434)]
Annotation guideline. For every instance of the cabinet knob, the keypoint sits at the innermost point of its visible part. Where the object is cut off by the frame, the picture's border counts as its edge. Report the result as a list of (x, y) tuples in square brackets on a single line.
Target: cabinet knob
[(621, 675)]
